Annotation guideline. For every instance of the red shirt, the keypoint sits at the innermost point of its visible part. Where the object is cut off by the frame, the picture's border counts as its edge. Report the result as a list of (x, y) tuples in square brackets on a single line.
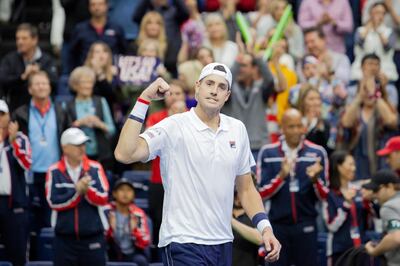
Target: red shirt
[(155, 164)]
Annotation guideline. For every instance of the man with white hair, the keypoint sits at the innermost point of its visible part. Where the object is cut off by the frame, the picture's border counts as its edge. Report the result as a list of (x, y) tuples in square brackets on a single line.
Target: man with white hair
[(76, 188), (203, 156)]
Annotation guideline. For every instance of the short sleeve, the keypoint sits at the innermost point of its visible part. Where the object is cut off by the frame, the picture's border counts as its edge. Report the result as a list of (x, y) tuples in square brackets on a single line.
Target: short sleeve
[(158, 138), (245, 158), (391, 219)]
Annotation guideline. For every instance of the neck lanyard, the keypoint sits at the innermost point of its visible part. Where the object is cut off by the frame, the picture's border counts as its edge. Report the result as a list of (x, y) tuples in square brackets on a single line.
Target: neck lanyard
[(40, 123)]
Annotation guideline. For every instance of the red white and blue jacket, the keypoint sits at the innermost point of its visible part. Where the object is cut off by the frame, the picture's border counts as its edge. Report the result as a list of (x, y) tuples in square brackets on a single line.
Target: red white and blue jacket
[(346, 222), (141, 233), (79, 215), (292, 207), (19, 158)]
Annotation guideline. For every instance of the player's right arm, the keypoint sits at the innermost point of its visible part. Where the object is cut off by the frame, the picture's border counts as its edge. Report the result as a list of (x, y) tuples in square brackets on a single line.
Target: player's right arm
[(132, 148)]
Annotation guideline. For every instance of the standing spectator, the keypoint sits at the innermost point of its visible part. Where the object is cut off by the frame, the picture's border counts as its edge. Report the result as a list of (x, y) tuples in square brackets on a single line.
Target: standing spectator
[(92, 114), (371, 67), (293, 173), (174, 103), (365, 121), (252, 85), (16, 66), (260, 18), (375, 38), (99, 59), (174, 14), (385, 185), (128, 234), (345, 212), (337, 63), (224, 50), (79, 225), (152, 27), (97, 28), (334, 16), (42, 121), (392, 153), (76, 11), (293, 32), (15, 161), (120, 13), (227, 9)]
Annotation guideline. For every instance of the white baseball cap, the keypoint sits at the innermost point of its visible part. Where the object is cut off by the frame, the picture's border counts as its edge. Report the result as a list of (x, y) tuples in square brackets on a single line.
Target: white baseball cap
[(73, 136), (4, 107), (217, 69)]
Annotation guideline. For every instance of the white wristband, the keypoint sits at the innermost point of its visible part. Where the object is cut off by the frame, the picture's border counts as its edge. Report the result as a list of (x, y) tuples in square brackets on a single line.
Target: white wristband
[(139, 111), (262, 225)]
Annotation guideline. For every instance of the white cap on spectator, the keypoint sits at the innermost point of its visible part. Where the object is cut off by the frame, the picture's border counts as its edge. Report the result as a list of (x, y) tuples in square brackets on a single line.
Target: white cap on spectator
[(217, 69), (73, 136), (3, 106)]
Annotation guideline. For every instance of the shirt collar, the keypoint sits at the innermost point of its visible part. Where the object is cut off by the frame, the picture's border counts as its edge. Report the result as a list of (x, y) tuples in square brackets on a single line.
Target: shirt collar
[(42, 110), (200, 125), (36, 56)]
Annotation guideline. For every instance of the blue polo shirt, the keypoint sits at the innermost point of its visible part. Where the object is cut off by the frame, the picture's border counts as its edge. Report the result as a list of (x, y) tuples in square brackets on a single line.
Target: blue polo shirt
[(44, 138)]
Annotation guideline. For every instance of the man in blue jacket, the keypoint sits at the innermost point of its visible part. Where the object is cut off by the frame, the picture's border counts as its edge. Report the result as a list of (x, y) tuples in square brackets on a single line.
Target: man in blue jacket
[(76, 188), (15, 161), (293, 174)]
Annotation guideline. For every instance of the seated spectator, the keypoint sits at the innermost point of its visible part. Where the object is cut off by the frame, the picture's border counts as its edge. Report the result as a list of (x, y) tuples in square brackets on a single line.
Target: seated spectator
[(317, 128), (193, 33), (371, 66), (227, 9), (204, 55), (293, 32), (15, 161), (92, 114), (365, 121), (224, 50), (174, 13), (99, 59), (334, 16), (128, 234), (17, 66), (392, 153), (260, 18), (345, 212), (188, 73), (97, 28), (246, 238), (79, 228), (386, 186), (43, 121), (337, 63), (377, 38), (152, 27), (150, 48)]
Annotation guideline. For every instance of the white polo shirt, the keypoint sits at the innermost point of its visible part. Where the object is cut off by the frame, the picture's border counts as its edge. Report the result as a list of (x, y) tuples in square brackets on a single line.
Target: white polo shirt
[(198, 169)]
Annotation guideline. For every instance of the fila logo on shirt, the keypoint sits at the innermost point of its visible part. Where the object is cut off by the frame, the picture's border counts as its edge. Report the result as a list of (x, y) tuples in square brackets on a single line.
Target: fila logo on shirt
[(232, 143)]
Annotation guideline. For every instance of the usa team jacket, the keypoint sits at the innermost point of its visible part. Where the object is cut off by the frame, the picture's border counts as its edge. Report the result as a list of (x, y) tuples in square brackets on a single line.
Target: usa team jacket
[(141, 233), (19, 159), (346, 222), (75, 214), (292, 207)]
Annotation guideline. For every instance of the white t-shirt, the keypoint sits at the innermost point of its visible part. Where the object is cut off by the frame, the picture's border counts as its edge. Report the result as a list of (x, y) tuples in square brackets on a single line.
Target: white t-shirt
[(198, 169)]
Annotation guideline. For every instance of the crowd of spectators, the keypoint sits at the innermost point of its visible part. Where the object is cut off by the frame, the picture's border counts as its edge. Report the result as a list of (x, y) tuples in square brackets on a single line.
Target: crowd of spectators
[(322, 115)]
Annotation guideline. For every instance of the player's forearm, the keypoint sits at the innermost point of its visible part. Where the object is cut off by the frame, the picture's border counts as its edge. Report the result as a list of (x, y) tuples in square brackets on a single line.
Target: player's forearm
[(251, 201), (128, 142)]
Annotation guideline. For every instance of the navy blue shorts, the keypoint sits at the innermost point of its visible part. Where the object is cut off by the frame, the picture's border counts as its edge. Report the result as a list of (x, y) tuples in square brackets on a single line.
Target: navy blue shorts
[(176, 254)]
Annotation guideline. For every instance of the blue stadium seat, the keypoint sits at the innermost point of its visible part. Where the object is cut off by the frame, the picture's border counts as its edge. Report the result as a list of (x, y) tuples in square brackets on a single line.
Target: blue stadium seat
[(45, 244), (143, 204), (157, 264), (140, 180), (39, 263), (5, 263), (117, 263)]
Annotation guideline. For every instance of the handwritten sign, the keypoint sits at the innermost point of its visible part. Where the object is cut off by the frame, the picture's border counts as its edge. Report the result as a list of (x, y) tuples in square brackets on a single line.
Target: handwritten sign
[(136, 70)]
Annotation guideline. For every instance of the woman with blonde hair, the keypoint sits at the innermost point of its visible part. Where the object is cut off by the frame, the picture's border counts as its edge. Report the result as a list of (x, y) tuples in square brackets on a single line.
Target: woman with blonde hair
[(224, 50), (153, 27), (99, 59)]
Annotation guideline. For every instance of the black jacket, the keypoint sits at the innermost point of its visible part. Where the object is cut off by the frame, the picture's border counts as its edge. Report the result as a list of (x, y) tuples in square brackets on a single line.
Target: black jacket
[(14, 88)]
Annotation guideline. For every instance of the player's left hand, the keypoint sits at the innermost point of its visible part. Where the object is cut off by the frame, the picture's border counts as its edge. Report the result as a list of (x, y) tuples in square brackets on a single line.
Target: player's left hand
[(272, 245)]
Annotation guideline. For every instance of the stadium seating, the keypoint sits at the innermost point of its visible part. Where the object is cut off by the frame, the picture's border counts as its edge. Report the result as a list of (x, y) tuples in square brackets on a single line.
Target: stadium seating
[(39, 263), (45, 244), (140, 180), (5, 263), (117, 263)]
